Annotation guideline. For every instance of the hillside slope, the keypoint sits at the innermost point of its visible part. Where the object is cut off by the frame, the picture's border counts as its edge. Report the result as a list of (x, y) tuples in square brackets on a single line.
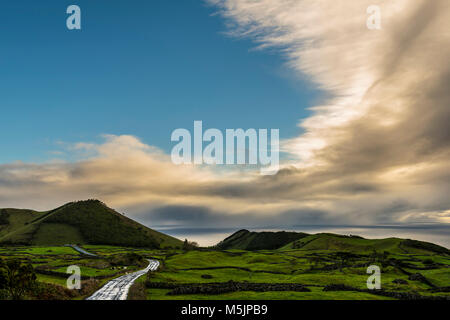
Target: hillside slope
[(246, 240), (355, 244), (83, 222), (284, 241)]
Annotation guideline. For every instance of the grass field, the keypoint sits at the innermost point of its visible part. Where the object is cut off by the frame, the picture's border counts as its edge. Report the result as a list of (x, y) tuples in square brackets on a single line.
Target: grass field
[(314, 269)]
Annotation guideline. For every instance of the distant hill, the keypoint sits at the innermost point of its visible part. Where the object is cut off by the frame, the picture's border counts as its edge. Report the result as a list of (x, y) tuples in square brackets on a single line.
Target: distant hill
[(282, 241), (356, 244), (246, 240), (82, 222)]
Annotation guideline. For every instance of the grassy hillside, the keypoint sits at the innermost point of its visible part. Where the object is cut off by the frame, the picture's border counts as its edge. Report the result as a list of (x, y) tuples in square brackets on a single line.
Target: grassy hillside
[(15, 223), (246, 240), (83, 222), (282, 241), (355, 244)]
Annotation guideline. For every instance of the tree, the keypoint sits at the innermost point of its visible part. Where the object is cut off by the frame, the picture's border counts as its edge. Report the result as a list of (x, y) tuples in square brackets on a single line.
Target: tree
[(187, 245), (193, 244), (3, 291), (3, 281), (19, 278)]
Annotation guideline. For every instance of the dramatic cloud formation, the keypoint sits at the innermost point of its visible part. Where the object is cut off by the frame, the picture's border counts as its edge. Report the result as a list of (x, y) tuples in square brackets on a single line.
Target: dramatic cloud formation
[(378, 149), (375, 152)]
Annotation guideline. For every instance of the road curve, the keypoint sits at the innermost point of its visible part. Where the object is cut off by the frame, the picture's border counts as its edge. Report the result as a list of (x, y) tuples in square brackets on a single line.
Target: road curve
[(117, 289), (80, 250)]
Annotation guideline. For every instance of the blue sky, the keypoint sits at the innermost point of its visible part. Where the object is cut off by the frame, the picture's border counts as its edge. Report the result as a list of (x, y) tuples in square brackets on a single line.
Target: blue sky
[(140, 69), (143, 69)]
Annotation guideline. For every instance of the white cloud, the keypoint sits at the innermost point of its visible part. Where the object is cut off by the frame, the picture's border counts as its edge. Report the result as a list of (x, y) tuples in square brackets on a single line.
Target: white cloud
[(375, 152)]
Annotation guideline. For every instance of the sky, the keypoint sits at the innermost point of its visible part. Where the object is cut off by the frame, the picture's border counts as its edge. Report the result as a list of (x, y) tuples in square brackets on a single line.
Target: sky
[(143, 69), (363, 114)]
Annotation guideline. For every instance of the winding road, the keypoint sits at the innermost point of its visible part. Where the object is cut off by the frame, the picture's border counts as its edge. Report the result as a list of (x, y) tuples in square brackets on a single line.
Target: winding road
[(117, 289), (80, 250)]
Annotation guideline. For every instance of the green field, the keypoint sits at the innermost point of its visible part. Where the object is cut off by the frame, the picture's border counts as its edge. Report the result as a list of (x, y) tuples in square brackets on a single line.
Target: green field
[(314, 269), (50, 264), (322, 266)]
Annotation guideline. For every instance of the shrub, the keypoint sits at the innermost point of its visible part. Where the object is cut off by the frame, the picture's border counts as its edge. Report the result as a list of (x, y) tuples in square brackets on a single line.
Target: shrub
[(17, 278), (188, 245), (127, 259), (138, 291)]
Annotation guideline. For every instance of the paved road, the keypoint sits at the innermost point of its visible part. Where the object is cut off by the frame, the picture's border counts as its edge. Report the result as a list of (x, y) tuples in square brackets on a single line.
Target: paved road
[(117, 289), (80, 250)]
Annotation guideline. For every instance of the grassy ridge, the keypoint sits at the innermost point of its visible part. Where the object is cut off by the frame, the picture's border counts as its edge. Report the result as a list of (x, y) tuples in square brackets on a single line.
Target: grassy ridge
[(83, 222), (99, 224), (246, 240), (16, 224), (355, 244)]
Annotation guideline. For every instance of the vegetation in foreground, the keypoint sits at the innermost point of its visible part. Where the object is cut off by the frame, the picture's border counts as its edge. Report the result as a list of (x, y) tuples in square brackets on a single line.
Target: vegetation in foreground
[(245, 265), (323, 266), (40, 273)]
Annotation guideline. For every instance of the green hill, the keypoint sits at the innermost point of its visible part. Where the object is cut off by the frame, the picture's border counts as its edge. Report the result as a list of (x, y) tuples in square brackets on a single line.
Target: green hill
[(246, 240), (82, 222), (282, 241), (356, 244)]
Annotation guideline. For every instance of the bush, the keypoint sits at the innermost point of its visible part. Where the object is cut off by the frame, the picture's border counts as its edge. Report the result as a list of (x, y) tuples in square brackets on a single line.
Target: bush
[(47, 291), (17, 278), (127, 259), (138, 291), (188, 245)]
